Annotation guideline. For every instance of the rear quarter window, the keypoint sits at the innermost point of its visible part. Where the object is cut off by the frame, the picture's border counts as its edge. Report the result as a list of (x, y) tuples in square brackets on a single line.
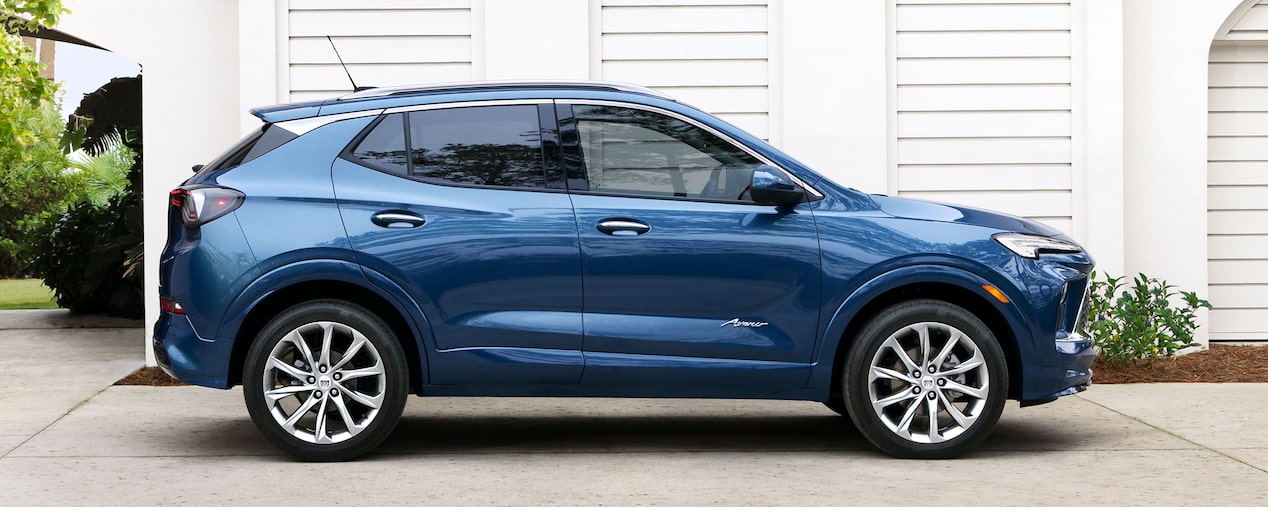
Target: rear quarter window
[(250, 147)]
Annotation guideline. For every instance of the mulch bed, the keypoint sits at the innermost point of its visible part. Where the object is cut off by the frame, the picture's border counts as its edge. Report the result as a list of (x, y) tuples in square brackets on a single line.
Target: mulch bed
[(1222, 363), (149, 376)]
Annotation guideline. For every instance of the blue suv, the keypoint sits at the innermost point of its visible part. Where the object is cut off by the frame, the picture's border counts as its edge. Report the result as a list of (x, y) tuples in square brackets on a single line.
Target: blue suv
[(594, 239)]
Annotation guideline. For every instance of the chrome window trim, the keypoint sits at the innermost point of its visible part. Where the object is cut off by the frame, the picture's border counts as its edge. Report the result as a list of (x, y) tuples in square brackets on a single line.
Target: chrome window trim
[(472, 103), (303, 126), (706, 128)]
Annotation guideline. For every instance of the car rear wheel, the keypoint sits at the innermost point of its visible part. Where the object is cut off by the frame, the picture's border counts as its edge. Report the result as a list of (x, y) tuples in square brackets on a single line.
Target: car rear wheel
[(925, 379), (325, 381)]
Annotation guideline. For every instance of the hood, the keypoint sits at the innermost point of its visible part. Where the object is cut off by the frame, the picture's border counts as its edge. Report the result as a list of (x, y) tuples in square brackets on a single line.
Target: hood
[(915, 209)]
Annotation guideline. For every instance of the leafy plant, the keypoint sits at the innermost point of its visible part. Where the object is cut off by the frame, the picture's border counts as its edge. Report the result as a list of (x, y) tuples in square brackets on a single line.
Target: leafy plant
[(103, 171), (82, 257), (1139, 323), (33, 187)]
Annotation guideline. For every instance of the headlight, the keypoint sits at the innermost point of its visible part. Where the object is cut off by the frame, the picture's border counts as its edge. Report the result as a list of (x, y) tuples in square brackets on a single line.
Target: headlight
[(1030, 246)]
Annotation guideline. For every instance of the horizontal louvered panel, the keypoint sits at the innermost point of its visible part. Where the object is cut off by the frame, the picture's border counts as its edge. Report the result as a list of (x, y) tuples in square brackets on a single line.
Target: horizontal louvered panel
[(1238, 173), (297, 5), (332, 77), (984, 71), (380, 23), (757, 124), (723, 99), (984, 98), (1022, 203), (1237, 222), (1239, 296), (1238, 272), (1238, 124), (688, 73), (1237, 247), (1009, 17), (1239, 74), (406, 49), (726, 18), (984, 124), (1237, 99), (684, 46), (1240, 197), (983, 151), (982, 44), (943, 178), (1237, 148), (1234, 324)]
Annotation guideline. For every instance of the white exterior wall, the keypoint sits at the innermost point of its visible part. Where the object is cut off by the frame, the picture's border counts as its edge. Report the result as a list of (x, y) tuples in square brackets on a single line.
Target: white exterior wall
[(189, 56), (1087, 114), (983, 106), (1237, 178)]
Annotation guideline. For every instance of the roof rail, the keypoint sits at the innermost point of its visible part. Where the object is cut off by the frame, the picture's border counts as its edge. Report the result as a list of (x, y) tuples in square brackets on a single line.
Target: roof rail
[(477, 85)]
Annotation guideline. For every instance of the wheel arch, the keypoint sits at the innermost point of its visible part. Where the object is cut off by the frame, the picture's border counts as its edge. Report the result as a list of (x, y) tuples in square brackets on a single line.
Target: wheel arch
[(944, 283), (289, 285)]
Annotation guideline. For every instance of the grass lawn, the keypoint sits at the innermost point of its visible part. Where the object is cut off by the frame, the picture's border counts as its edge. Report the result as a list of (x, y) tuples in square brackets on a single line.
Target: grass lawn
[(25, 294)]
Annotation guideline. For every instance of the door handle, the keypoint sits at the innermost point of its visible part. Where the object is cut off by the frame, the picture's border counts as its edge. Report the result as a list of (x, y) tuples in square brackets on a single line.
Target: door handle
[(397, 219), (622, 227)]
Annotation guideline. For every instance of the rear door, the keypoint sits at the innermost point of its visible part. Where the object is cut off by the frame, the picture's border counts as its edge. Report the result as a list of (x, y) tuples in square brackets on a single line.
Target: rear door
[(465, 208), (687, 281)]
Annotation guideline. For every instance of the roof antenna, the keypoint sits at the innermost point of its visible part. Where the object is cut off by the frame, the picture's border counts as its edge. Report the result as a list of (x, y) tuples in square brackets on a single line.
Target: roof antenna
[(355, 88)]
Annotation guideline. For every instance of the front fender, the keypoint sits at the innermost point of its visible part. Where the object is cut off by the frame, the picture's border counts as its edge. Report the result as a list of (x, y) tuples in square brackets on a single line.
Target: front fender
[(833, 335)]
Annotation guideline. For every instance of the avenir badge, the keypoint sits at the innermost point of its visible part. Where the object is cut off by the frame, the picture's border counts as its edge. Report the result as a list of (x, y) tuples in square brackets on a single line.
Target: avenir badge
[(744, 323)]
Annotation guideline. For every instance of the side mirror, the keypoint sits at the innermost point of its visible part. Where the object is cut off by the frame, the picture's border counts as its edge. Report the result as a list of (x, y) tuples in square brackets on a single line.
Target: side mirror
[(772, 186)]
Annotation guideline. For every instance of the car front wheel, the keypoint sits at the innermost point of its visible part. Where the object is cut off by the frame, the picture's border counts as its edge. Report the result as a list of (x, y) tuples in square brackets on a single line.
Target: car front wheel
[(925, 379), (325, 381)]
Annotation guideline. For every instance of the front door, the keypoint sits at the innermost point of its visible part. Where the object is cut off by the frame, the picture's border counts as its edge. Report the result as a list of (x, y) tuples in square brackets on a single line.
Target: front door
[(684, 275)]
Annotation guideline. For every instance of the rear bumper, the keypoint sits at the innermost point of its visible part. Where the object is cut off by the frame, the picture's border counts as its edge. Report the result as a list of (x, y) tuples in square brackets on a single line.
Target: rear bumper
[(188, 357)]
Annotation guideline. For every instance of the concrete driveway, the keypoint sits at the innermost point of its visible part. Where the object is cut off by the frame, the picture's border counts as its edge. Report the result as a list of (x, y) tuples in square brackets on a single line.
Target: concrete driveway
[(68, 436)]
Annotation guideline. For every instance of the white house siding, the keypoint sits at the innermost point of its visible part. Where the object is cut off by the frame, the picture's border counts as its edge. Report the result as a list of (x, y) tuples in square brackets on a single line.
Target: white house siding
[(710, 54), (983, 105), (1237, 181), (384, 43)]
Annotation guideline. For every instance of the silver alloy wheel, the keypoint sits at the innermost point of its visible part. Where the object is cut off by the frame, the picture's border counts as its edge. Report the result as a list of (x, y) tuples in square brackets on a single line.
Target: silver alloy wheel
[(928, 382), (324, 382)]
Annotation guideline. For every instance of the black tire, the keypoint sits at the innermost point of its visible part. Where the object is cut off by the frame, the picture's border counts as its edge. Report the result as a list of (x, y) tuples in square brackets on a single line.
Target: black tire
[(971, 378), (373, 355)]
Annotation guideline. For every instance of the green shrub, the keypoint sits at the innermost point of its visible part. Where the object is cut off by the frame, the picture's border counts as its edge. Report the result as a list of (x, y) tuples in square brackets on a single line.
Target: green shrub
[(84, 256), (33, 185), (1139, 323)]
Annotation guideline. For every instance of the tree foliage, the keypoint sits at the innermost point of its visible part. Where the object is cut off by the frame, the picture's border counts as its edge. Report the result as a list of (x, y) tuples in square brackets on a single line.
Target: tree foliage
[(31, 186), (20, 80)]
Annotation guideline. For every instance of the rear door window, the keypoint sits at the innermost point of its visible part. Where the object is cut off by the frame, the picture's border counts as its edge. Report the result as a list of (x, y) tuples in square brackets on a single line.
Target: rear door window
[(494, 146), (498, 146)]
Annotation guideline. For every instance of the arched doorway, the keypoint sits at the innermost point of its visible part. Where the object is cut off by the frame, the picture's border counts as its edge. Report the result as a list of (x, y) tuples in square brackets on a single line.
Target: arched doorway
[(1237, 176)]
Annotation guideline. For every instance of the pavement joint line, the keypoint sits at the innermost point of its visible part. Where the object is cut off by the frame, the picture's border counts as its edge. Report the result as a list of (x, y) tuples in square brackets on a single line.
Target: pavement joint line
[(1177, 435), (55, 421)]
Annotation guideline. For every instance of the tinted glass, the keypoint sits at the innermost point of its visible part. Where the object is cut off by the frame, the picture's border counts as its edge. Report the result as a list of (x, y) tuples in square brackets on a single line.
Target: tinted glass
[(384, 147), (632, 151), (489, 145), (250, 147)]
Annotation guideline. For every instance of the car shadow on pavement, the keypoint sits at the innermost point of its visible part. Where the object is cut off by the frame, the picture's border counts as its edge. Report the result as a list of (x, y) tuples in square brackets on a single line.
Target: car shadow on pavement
[(687, 433)]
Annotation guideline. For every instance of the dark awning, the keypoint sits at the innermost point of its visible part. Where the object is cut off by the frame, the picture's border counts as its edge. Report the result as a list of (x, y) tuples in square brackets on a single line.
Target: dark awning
[(51, 34)]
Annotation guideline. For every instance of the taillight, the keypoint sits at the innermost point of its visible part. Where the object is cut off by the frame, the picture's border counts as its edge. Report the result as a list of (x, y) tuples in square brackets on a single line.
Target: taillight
[(170, 306), (199, 205)]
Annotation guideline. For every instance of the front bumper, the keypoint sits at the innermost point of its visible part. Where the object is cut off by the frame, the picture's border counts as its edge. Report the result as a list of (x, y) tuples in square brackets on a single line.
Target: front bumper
[(188, 357)]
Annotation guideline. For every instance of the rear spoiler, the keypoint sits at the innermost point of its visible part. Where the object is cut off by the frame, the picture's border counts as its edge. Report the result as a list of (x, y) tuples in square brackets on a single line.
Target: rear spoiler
[(284, 112)]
